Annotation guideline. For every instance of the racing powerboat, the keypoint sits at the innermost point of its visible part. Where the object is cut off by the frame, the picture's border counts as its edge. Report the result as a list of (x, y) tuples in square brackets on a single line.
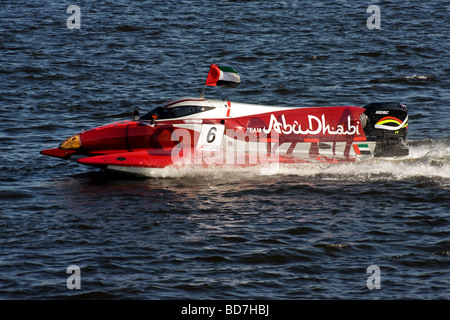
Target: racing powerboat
[(200, 132)]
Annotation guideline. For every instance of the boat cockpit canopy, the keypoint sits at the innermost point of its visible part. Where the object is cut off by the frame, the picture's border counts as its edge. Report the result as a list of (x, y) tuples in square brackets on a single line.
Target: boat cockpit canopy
[(173, 112)]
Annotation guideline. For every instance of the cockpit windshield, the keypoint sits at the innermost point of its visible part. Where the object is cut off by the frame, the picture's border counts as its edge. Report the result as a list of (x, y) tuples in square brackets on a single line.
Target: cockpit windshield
[(174, 112)]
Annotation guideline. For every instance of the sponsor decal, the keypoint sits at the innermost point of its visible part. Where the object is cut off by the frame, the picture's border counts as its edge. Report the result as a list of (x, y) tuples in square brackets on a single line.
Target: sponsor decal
[(316, 126), (391, 123)]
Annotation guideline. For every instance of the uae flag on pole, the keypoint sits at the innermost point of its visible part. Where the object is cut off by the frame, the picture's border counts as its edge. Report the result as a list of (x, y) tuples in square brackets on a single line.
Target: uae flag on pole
[(222, 76)]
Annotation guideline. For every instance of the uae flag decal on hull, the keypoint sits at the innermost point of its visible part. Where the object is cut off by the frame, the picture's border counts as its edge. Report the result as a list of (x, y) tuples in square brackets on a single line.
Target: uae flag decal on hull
[(362, 149), (222, 76)]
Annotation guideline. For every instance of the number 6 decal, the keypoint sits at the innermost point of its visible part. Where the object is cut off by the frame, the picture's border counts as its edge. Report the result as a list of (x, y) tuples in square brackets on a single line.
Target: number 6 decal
[(211, 137)]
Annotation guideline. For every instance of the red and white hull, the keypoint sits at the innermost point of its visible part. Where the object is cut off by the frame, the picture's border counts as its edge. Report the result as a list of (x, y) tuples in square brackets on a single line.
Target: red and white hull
[(199, 133)]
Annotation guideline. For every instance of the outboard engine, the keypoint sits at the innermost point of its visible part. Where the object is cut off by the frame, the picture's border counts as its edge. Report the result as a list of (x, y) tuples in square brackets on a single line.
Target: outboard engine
[(387, 124)]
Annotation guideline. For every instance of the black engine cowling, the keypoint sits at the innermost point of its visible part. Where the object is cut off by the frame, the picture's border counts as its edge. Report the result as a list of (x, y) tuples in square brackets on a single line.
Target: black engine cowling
[(387, 124)]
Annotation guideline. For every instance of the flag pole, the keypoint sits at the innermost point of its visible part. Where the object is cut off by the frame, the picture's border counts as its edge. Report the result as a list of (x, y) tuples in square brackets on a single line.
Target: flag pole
[(203, 92)]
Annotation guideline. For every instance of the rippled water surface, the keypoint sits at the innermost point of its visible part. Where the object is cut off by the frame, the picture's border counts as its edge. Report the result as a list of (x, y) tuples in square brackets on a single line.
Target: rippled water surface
[(303, 232)]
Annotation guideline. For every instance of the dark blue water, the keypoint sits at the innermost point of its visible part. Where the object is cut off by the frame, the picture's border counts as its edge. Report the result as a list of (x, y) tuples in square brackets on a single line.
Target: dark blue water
[(304, 232)]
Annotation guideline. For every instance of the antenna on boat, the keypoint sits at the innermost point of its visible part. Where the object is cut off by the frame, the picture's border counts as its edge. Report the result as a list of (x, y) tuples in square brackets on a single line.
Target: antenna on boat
[(136, 115)]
